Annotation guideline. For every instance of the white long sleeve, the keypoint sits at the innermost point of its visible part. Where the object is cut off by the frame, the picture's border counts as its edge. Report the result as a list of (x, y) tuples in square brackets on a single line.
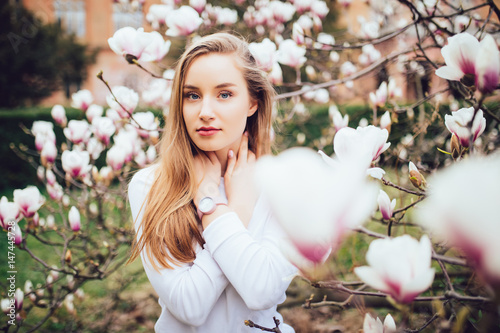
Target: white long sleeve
[(239, 275)]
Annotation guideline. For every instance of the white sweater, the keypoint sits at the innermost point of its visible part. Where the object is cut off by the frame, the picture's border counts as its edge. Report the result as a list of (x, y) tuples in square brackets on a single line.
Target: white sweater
[(239, 275)]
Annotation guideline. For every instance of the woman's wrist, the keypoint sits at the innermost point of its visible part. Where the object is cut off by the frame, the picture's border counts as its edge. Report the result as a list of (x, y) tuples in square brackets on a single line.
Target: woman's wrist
[(219, 211)]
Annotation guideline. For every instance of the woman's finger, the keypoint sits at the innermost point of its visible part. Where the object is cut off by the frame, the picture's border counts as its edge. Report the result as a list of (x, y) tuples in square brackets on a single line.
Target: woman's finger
[(251, 156), (231, 162)]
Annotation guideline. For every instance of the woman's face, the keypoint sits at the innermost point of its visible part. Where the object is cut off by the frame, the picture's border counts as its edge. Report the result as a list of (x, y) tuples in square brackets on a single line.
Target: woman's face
[(216, 102)]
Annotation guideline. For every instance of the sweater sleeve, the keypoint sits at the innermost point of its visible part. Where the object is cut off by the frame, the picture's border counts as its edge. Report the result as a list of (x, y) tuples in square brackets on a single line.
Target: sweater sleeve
[(256, 268), (189, 291)]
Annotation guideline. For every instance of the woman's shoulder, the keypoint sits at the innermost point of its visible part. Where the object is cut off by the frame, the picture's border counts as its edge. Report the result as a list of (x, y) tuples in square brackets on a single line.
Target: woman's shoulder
[(142, 179)]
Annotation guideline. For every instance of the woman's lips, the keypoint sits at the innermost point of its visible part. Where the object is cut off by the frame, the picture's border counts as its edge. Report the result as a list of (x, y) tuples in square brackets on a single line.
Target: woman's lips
[(208, 131)]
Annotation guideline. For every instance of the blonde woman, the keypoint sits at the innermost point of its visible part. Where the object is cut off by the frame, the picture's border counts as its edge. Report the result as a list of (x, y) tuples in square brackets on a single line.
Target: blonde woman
[(208, 242)]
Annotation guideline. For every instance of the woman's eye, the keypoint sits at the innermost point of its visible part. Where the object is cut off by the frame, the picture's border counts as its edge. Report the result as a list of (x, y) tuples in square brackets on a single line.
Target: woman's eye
[(192, 96), (225, 95)]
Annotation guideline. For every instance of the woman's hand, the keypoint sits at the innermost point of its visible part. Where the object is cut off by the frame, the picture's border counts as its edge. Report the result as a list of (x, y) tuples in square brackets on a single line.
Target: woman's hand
[(207, 172), (239, 181)]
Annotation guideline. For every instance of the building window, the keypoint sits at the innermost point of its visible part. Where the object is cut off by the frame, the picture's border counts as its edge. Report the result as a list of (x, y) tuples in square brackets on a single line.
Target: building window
[(127, 15), (71, 16)]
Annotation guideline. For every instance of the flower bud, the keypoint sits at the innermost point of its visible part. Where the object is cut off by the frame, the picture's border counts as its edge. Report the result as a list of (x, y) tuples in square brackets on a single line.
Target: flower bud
[(74, 219), (416, 178), (67, 256), (455, 147)]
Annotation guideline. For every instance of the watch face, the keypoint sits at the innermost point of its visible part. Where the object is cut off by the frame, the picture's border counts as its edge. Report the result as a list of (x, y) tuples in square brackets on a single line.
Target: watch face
[(206, 205)]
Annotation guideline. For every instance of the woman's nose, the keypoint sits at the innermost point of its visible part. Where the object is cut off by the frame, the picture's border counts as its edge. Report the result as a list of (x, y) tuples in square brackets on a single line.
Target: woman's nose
[(206, 112)]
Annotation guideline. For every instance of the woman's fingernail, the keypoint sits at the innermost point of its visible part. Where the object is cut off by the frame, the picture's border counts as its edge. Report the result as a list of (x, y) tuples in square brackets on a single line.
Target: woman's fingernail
[(230, 153), (246, 133)]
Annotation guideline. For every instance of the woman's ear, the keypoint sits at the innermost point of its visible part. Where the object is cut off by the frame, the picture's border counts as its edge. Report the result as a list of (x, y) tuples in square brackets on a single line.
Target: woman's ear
[(253, 108)]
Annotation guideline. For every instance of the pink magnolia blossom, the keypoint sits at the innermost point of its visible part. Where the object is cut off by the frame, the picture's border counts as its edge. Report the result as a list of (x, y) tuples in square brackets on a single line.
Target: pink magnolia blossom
[(282, 11), (458, 124), (74, 219), (151, 154), (103, 128), (305, 21), (82, 99), (400, 267), (156, 49), (338, 121), (315, 203), (379, 98), (393, 91), (116, 157), (290, 54), (127, 101), (50, 177), (76, 163), (198, 5), (157, 14), (128, 41), (464, 55), (225, 16), (324, 41), (369, 55), (9, 212), (43, 131), (302, 5), (367, 141), (276, 75), (18, 234), (385, 205), (59, 115), (320, 8), (128, 139), (29, 200), (78, 131), (55, 191), (298, 34), (385, 121), (487, 65), (95, 147), (93, 111), (264, 54), (371, 325), (19, 297), (462, 208), (49, 153), (347, 69), (183, 21), (145, 123), (369, 29), (376, 173)]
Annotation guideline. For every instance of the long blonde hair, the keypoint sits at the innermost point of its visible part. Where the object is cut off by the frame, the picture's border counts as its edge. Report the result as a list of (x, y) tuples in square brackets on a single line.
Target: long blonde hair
[(170, 225)]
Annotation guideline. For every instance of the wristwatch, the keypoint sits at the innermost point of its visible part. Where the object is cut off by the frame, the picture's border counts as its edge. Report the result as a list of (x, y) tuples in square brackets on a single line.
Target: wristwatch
[(208, 205)]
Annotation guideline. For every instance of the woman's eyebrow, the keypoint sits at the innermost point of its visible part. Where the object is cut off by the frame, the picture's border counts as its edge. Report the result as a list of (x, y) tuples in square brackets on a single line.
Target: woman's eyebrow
[(222, 85)]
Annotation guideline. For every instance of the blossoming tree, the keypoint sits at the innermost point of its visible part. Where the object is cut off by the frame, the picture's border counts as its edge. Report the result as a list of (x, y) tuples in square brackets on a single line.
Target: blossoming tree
[(433, 234)]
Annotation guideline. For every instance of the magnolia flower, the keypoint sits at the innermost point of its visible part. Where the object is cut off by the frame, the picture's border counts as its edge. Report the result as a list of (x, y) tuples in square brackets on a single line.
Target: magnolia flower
[(95, 148), (367, 141), (156, 49), (225, 16), (376, 173), (393, 91), (458, 124), (76, 163), (198, 5), (93, 111), (128, 42), (78, 131), (127, 139), (298, 34), (55, 191), (59, 115), (400, 267), (464, 55), (290, 54), (321, 96), (276, 75), (18, 234), (183, 21), (145, 123), (385, 205), (9, 212), (116, 157), (151, 154), (462, 208), (379, 98), (103, 128), (371, 325), (369, 55), (157, 14), (124, 102), (305, 21), (43, 131), (347, 69), (264, 54), (68, 303), (302, 5), (315, 203), (158, 93), (338, 121), (74, 219), (82, 99), (385, 121), (487, 65), (29, 200), (282, 11), (19, 297), (416, 178), (320, 8), (369, 30), (49, 153)]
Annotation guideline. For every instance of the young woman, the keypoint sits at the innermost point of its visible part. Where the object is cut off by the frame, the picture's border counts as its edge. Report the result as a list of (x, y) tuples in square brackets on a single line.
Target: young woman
[(208, 242)]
